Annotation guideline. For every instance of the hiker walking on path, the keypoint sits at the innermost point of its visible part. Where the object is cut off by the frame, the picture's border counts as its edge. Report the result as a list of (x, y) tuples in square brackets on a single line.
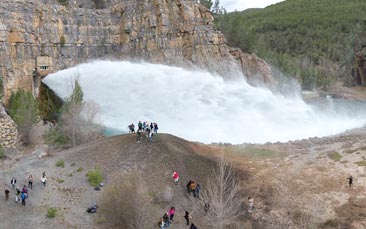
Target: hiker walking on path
[(17, 193), (207, 207), (166, 220), (23, 196), (25, 191), (250, 205), (350, 180), (44, 180), (187, 216), (161, 223), (30, 181), (193, 187), (193, 226), (176, 177), (198, 190), (188, 185), (6, 194), (13, 182), (171, 213)]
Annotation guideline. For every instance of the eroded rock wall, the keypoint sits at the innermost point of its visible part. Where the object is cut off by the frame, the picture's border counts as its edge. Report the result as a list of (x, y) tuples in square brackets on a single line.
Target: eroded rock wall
[(176, 32), (8, 130)]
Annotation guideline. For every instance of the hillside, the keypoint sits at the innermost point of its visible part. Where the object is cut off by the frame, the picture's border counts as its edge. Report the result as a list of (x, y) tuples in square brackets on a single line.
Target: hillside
[(294, 184), (317, 42)]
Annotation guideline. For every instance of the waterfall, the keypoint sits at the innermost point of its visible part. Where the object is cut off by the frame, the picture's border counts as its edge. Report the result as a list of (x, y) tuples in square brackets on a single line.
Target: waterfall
[(199, 106)]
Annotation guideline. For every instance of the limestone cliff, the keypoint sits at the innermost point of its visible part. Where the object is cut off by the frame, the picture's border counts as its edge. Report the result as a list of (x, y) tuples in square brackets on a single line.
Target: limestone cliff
[(42, 36)]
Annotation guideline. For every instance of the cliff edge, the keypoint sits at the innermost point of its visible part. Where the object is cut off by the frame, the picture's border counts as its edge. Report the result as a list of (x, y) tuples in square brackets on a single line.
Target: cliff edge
[(41, 37)]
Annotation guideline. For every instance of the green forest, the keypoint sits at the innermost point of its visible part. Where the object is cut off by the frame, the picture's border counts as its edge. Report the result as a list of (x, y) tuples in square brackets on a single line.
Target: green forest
[(315, 41)]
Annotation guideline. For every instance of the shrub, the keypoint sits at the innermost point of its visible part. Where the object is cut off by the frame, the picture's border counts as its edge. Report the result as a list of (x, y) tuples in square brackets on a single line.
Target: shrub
[(361, 163), (2, 154), (51, 213), (63, 2), (80, 169), (95, 177), (62, 40), (127, 204), (60, 163), (54, 136), (335, 156), (60, 180), (72, 164), (23, 109), (70, 174)]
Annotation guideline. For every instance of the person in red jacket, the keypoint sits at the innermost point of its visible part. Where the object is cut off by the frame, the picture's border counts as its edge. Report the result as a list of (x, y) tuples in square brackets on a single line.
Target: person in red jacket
[(176, 177)]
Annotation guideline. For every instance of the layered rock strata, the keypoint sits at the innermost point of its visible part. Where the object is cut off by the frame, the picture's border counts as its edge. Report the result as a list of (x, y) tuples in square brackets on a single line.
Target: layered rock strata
[(46, 35)]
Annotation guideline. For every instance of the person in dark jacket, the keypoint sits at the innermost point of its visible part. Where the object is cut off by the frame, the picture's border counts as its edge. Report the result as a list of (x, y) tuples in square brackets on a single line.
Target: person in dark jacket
[(7, 194), (350, 180), (189, 187), (13, 182), (187, 217), (193, 226)]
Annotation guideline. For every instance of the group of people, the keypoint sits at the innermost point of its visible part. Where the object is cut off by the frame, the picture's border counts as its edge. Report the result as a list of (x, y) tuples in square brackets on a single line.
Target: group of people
[(167, 218), (150, 129), (22, 194)]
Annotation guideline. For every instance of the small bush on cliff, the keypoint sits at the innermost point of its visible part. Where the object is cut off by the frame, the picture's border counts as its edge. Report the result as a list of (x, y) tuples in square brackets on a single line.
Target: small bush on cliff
[(1, 87), (99, 4), (23, 109), (63, 2), (2, 154), (62, 40)]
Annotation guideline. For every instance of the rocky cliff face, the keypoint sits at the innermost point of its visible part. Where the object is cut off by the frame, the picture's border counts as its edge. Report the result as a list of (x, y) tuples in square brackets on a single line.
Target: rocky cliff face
[(46, 35)]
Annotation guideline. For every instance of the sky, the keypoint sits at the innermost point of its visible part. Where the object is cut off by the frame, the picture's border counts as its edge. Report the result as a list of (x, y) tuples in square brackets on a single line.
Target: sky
[(239, 5)]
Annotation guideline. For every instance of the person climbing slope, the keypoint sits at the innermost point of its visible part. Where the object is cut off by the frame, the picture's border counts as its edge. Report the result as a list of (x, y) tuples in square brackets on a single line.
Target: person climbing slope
[(175, 177), (171, 213)]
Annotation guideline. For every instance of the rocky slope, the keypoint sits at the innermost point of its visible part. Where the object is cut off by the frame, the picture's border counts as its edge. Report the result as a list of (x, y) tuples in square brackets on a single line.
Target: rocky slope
[(49, 36), (8, 130), (298, 184)]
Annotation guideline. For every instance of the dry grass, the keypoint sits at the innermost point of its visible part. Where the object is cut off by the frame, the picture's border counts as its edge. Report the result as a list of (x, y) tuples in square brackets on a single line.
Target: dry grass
[(335, 156)]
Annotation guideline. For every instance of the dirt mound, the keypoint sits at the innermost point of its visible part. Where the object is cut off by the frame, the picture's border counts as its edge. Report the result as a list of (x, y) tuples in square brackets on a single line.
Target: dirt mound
[(69, 192)]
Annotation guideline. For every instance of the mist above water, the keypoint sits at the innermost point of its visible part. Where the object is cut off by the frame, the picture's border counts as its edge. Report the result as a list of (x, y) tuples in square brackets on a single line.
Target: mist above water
[(199, 106)]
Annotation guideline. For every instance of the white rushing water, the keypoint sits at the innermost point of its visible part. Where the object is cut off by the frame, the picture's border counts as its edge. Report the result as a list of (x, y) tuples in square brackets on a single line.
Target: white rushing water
[(197, 105)]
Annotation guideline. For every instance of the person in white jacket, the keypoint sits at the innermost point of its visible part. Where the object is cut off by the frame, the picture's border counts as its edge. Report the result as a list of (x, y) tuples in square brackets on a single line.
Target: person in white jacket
[(43, 180)]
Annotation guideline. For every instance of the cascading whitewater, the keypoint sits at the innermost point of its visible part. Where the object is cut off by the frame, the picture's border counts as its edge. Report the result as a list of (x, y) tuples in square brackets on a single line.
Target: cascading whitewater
[(197, 105)]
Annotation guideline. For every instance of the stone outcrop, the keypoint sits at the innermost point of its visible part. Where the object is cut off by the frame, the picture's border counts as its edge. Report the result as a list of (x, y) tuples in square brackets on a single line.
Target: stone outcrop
[(8, 130), (46, 35)]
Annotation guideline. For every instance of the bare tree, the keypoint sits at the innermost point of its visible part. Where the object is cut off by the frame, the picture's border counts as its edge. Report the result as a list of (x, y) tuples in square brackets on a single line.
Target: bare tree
[(127, 203), (220, 200), (78, 118)]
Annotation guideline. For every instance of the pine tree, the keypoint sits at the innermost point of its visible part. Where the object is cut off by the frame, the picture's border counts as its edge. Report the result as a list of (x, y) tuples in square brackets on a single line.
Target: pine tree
[(23, 109)]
